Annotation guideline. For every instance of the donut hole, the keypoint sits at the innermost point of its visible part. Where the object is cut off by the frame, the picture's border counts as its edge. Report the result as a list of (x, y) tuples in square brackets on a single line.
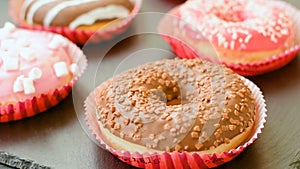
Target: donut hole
[(175, 102), (170, 99)]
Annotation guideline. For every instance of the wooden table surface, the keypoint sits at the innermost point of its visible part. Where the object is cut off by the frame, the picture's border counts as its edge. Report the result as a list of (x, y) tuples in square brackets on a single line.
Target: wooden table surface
[(59, 137)]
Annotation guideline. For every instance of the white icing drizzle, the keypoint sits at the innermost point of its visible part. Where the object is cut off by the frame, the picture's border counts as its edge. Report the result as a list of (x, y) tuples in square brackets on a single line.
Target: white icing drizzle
[(26, 4), (34, 8), (107, 12), (55, 10)]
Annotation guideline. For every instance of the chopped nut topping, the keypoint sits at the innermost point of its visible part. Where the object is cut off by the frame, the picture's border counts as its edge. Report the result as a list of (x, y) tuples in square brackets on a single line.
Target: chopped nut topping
[(145, 96), (177, 148), (195, 135), (167, 126), (117, 126), (196, 128), (198, 146)]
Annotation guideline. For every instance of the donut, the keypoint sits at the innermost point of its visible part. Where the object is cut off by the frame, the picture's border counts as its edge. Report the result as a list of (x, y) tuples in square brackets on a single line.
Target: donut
[(84, 14), (37, 70), (241, 31), (175, 105)]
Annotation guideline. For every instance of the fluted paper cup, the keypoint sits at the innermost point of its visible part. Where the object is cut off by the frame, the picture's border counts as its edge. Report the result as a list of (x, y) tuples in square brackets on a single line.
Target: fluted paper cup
[(185, 47), (76, 35), (42, 102)]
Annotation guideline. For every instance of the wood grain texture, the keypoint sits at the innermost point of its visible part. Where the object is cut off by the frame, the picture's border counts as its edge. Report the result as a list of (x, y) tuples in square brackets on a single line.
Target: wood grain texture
[(60, 139)]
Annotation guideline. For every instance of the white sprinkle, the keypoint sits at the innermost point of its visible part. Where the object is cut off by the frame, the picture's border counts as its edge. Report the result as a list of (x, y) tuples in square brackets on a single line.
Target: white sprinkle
[(280, 22), (199, 37), (234, 36), (232, 45), (284, 32), (274, 39), (28, 86), (27, 54), (243, 46), (273, 23), (35, 73), (226, 45), (281, 15), (18, 84), (214, 31), (61, 69), (221, 39), (264, 33), (247, 39)]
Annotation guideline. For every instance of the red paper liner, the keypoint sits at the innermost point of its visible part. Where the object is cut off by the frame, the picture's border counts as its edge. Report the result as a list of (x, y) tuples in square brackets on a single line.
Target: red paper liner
[(43, 102), (78, 36), (184, 50), (178, 160)]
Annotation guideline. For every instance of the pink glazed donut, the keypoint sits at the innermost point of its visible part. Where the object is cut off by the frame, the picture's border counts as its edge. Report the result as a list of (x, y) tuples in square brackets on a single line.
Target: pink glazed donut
[(242, 31), (37, 71)]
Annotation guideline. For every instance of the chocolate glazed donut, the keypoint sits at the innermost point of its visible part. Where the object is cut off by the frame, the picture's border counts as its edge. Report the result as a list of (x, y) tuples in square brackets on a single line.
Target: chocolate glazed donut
[(68, 12), (175, 105)]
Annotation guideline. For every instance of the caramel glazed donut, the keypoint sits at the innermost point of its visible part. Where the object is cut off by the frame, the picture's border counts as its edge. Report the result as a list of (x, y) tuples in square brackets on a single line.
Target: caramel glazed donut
[(175, 105), (74, 13)]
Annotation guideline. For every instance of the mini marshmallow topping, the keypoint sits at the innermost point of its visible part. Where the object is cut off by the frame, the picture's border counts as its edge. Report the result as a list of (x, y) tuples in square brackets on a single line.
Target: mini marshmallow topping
[(57, 41), (27, 54), (6, 30), (18, 84), (23, 42), (74, 68), (61, 69), (28, 86), (8, 26), (10, 63), (35, 73), (7, 44)]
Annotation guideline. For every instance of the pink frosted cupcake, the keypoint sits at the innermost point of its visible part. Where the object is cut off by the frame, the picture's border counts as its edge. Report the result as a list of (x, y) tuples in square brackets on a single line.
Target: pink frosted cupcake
[(77, 20), (37, 71), (177, 114), (251, 37)]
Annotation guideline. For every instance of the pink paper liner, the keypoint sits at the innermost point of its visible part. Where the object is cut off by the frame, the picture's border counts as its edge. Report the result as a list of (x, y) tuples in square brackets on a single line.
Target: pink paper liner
[(42, 102), (78, 36), (177, 160), (183, 50)]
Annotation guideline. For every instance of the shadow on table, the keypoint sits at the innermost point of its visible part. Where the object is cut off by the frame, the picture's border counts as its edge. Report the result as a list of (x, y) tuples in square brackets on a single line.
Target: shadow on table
[(39, 126)]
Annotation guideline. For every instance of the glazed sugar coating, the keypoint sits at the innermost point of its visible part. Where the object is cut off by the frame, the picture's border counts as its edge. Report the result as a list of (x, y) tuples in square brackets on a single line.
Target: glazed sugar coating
[(73, 13), (176, 105), (244, 25)]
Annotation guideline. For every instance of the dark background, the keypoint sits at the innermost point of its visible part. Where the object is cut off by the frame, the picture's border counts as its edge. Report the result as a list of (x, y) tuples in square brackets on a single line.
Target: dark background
[(59, 137)]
